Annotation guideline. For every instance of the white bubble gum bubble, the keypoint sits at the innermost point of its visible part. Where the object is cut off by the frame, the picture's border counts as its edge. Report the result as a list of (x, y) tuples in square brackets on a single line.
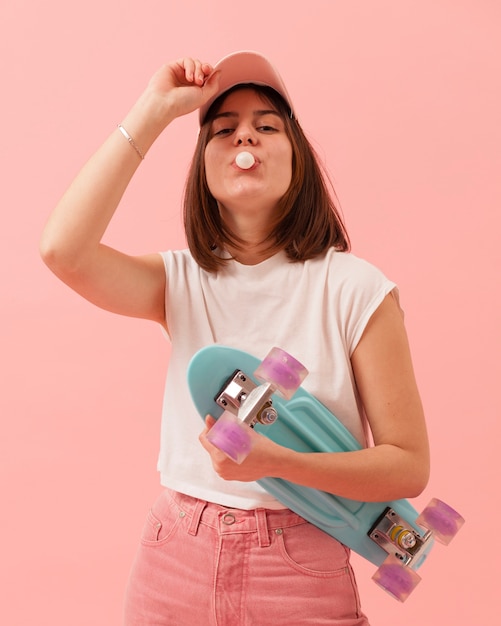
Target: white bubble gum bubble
[(245, 160)]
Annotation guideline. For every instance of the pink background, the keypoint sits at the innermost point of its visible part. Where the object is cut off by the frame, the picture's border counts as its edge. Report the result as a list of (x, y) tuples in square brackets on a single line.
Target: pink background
[(402, 99)]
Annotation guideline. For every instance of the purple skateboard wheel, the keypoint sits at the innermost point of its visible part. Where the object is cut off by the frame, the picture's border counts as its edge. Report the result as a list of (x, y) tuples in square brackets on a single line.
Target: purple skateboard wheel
[(282, 370), (396, 579), (442, 520), (231, 436)]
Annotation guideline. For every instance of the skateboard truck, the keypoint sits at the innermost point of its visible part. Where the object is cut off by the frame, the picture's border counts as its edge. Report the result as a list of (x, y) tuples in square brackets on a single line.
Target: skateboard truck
[(392, 533), (251, 403)]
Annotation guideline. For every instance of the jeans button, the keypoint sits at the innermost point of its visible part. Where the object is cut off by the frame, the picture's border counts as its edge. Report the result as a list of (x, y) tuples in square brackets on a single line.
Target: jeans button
[(228, 519)]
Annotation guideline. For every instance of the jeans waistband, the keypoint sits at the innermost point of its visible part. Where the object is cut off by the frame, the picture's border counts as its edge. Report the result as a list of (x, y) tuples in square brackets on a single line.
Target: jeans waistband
[(227, 520)]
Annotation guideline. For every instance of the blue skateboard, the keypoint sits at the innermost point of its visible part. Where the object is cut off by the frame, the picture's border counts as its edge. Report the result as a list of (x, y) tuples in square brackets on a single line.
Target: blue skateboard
[(242, 392)]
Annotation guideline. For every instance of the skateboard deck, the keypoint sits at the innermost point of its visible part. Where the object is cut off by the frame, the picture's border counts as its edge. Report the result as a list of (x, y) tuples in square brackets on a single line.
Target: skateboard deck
[(306, 425)]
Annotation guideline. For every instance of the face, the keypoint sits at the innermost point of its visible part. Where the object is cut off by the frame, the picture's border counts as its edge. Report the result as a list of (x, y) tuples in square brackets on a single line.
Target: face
[(247, 122)]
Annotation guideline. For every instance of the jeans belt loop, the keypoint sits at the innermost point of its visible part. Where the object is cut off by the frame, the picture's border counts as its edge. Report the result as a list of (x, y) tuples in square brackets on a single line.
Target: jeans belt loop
[(196, 516), (262, 528)]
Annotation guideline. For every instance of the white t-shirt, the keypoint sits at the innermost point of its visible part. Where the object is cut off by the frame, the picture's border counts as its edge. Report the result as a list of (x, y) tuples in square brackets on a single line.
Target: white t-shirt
[(316, 310)]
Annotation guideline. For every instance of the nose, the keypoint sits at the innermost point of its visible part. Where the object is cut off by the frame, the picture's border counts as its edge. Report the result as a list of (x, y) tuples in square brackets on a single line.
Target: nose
[(245, 135)]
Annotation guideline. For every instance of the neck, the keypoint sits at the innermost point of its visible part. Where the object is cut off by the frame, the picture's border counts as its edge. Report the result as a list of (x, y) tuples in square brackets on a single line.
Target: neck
[(249, 255), (253, 228)]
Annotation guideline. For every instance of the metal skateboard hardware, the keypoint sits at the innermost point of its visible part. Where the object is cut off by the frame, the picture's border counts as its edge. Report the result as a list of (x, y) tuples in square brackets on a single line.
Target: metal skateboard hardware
[(244, 393), (250, 402), (395, 535)]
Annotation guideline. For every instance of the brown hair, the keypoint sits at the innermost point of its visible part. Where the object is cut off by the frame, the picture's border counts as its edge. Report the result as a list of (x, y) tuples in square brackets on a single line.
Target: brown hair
[(308, 221)]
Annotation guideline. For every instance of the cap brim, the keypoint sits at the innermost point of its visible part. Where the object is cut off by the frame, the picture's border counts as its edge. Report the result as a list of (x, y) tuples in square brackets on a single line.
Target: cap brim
[(246, 67)]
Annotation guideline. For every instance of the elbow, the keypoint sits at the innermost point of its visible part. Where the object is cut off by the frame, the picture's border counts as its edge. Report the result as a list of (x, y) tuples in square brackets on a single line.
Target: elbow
[(417, 480), (51, 254), (417, 489), (412, 487), (57, 256), (409, 474), (47, 251)]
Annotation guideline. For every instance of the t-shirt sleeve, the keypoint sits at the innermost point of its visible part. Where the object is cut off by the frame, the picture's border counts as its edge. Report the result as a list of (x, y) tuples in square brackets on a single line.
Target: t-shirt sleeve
[(364, 288)]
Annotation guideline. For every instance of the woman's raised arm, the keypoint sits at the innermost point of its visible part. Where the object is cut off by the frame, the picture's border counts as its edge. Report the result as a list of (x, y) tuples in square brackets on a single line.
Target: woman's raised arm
[(71, 241)]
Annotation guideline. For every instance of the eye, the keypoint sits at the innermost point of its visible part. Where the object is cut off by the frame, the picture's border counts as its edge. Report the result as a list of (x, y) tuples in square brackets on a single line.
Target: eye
[(221, 132), (266, 128), (269, 124)]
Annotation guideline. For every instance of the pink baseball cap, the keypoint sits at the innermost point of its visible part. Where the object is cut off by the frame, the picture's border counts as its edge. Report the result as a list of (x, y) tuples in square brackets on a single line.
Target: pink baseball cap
[(243, 67)]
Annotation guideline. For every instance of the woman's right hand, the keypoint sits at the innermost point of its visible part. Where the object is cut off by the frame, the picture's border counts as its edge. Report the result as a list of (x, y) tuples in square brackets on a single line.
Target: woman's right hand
[(181, 87)]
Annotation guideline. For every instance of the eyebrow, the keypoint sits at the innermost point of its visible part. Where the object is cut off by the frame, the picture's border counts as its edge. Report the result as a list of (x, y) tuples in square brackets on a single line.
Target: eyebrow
[(257, 113)]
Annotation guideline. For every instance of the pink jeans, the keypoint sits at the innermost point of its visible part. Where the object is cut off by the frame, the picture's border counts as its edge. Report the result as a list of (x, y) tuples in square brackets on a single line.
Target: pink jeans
[(206, 565)]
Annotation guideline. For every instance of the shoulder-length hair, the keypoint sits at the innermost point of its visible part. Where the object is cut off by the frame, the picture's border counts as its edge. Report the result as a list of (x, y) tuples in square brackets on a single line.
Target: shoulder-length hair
[(307, 219)]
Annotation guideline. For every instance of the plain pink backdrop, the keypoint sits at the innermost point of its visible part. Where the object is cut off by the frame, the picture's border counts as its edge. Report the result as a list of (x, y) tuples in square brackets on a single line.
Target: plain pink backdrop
[(402, 99)]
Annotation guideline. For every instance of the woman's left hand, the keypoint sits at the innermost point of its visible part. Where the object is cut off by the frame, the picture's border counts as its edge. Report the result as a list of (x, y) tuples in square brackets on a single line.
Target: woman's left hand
[(259, 463)]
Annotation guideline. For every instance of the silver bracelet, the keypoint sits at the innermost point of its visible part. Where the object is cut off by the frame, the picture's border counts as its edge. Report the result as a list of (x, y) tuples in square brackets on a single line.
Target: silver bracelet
[(130, 140)]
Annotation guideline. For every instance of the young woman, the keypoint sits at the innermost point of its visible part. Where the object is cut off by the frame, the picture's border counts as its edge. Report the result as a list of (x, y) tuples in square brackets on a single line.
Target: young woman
[(268, 264)]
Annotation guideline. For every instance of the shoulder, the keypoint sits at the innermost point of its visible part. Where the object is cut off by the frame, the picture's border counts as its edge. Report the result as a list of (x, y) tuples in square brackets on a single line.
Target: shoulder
[(177, 256), (355, 289), (347, 269), (179, 261)]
